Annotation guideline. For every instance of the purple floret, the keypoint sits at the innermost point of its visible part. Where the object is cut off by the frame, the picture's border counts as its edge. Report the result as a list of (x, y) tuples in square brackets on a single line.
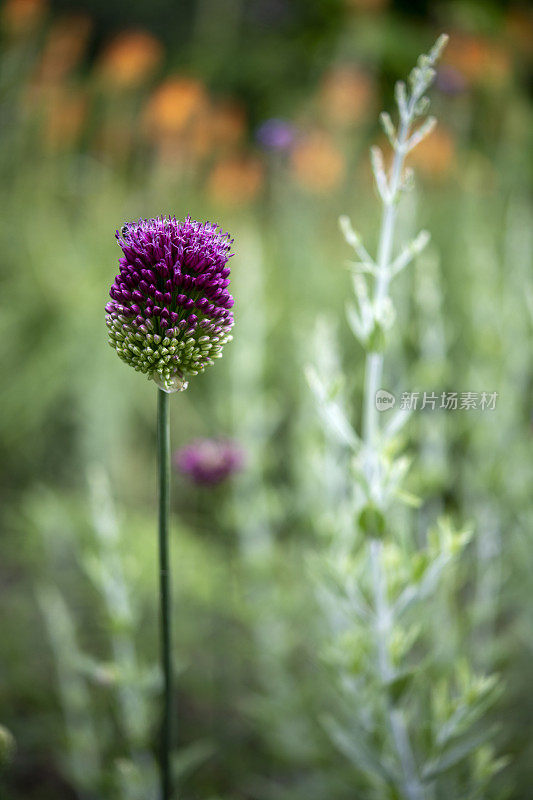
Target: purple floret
[(208, 462)]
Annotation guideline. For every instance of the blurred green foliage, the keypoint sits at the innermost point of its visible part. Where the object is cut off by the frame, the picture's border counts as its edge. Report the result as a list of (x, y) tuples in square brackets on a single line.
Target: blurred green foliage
[(92, 134)]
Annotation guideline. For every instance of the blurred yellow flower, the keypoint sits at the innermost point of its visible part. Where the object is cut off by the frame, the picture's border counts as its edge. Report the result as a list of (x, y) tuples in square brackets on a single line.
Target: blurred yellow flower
[(435, 155), (174, 106), (346, 95), (64, 47), (235, 181), (22, 16), (129, 59), (317, 163)]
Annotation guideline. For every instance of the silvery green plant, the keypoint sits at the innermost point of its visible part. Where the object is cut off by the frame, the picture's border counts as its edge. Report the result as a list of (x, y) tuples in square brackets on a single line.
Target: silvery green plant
[(81, 676), (107, 751), (409, 699)]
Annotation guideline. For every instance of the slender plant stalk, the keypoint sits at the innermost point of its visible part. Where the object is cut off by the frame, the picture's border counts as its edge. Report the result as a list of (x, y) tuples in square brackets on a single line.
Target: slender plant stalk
[(374, 361), (169, 355), (163, 458), (413, 787)]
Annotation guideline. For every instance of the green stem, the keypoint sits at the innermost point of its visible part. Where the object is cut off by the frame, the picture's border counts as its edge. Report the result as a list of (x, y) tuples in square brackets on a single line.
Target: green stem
[(374, 361), (163, 464), (412, 785)]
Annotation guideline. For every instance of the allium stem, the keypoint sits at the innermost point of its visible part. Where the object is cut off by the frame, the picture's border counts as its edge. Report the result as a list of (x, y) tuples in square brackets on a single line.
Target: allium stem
[(163, 459)]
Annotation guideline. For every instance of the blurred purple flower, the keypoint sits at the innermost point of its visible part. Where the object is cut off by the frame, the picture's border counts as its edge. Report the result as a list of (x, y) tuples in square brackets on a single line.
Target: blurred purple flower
[(275, 134), (208, 462), (450, 81)]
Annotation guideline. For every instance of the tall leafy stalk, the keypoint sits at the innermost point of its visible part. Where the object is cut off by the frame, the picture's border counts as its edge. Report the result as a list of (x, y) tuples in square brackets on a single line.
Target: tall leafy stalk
[(390, 186), (376, 581)]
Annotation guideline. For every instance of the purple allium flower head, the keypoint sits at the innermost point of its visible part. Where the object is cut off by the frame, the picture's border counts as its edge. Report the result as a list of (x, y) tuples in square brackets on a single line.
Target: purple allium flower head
[(209, 462), (275, 134), (170, 311)]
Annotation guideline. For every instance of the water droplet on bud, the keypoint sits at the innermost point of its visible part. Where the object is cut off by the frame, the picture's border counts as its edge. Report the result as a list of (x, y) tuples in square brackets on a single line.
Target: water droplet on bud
[(175, 383)]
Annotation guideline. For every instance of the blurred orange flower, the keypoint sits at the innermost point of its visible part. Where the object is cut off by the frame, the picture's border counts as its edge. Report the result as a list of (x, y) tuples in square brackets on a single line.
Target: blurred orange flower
[(235, 181), (222, 127), (346, 95), (228, 123), (64, 47), (435, 155), (129, 59), (174, 106), (22, 16), (317, 163), (479, 59), (197, 139)]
